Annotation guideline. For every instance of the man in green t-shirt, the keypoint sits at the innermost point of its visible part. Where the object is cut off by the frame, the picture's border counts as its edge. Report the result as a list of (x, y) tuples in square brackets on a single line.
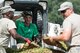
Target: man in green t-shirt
[(27, 29)]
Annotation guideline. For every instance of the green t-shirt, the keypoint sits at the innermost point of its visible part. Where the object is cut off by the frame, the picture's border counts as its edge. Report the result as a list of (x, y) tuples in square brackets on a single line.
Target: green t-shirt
[(26, 31)]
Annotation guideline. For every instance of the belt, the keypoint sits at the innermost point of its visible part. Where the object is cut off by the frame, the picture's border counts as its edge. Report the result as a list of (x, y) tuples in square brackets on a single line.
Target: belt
[(72, 46)]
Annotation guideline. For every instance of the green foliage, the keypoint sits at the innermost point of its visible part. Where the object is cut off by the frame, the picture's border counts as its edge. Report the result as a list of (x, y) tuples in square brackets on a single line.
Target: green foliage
[(53, 13), (53, 6)]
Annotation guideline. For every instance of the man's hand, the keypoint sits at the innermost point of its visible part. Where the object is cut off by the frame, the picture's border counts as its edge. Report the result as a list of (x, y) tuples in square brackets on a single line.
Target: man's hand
[(27, 40), (51, 39)]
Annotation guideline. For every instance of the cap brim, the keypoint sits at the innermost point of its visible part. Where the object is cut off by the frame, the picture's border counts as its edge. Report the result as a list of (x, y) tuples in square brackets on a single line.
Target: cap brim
[(8, 10), (61, 9)]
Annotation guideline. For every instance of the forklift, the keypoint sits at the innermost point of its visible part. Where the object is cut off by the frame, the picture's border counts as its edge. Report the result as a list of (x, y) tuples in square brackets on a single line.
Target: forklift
[(39, 11)]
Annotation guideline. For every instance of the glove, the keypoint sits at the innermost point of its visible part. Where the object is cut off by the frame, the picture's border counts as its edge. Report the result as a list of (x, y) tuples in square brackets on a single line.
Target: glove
[(27, 40)]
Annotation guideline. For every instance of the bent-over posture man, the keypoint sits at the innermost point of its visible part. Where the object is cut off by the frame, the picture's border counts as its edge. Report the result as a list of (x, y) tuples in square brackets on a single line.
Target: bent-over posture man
[(7, 28)]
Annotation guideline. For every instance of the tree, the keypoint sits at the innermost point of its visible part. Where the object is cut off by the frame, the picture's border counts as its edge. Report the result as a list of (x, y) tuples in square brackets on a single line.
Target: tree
[(53, 14)]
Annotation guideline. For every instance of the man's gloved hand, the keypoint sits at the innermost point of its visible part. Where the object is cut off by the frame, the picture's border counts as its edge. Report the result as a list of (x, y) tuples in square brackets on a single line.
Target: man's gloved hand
[(27, 40)]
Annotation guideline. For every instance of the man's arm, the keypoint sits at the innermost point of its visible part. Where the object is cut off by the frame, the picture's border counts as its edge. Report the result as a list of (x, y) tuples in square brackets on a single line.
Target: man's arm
[(65, 36), (15, 35)]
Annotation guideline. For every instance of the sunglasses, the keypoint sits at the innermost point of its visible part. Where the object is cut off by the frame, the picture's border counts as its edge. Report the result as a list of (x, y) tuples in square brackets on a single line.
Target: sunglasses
[(63, 11)]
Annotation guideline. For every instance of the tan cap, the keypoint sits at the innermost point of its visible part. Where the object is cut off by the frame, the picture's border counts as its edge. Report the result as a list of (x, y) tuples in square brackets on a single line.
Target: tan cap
[(65, 5), (6, 9)]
